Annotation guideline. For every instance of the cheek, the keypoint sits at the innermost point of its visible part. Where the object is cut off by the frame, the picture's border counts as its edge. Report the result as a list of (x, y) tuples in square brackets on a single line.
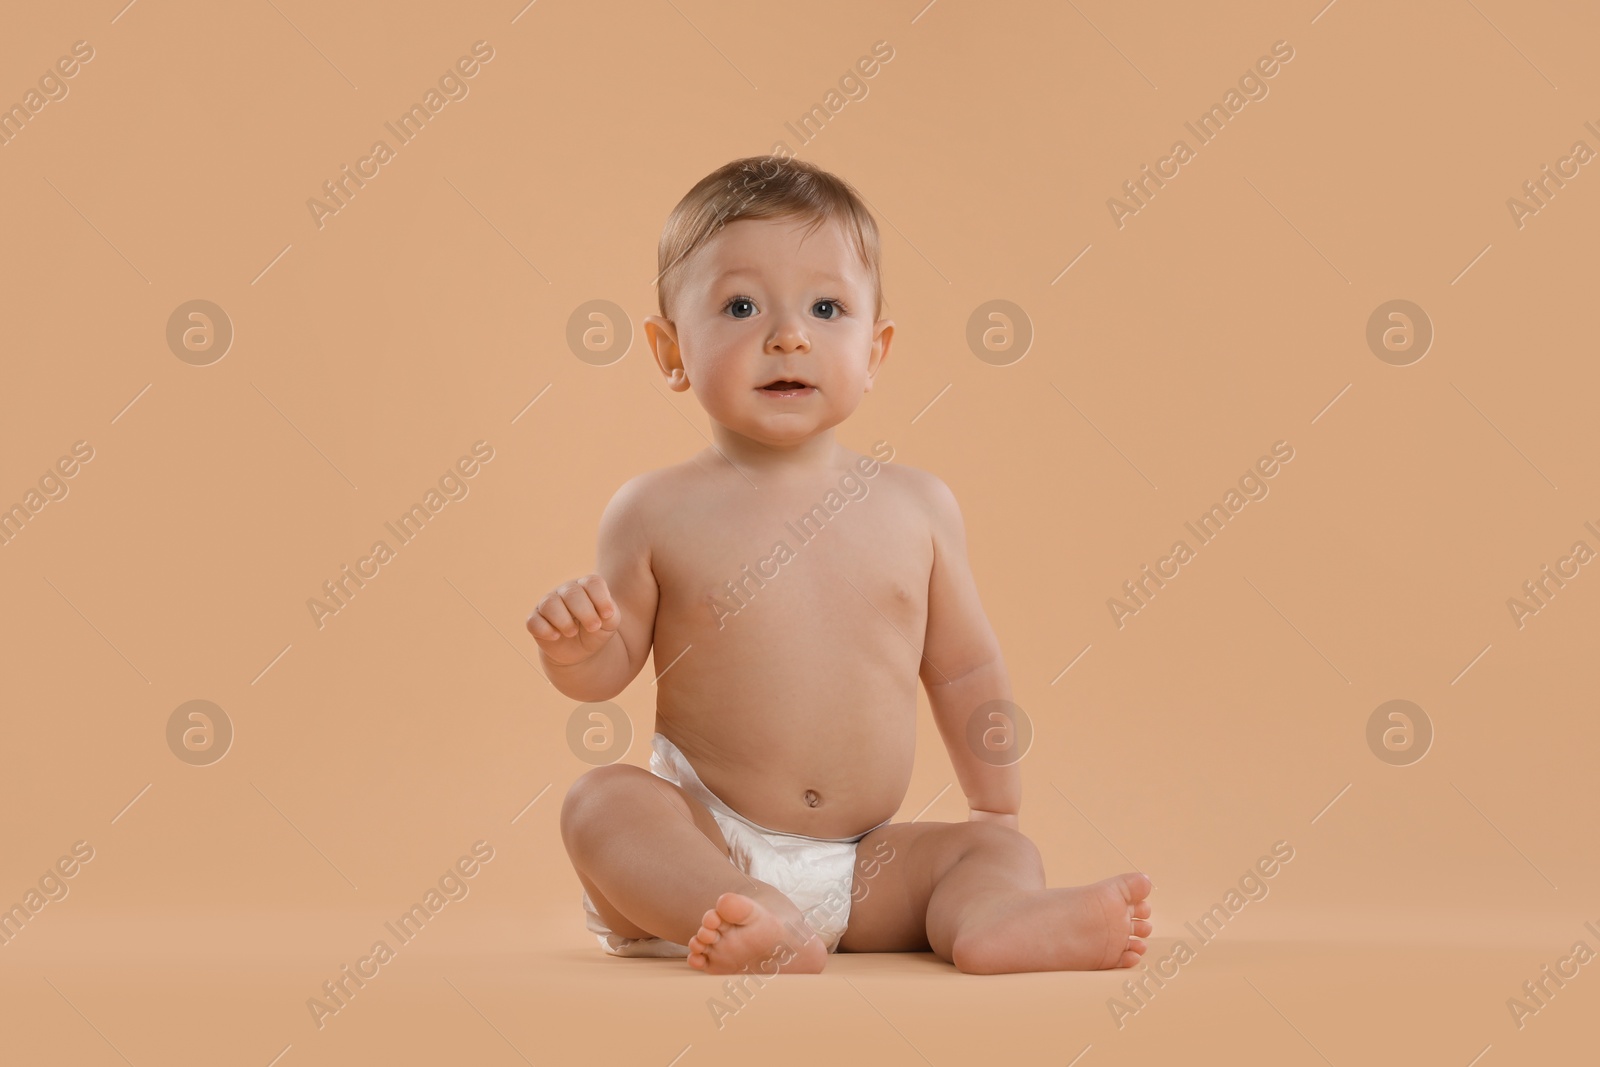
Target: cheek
[(696, 344), (855, 350), (720, 355), (713, 362)]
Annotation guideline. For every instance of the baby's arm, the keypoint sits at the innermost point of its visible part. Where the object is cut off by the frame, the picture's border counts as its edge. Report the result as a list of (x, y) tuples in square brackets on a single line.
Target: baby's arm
[(594, 632), (961, 663)]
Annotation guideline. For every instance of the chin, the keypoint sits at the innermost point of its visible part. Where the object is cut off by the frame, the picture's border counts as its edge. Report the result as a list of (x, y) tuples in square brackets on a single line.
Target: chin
[(786, 431), (789, 435)]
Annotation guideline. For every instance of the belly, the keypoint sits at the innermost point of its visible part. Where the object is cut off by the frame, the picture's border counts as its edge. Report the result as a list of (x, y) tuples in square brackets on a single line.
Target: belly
[(800, 715)]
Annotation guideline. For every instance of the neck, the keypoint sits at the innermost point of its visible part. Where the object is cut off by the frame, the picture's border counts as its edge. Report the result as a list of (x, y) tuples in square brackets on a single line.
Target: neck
[(818, 453)]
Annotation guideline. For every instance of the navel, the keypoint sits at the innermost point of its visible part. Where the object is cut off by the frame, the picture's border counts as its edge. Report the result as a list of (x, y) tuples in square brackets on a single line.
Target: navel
[(812, 798)]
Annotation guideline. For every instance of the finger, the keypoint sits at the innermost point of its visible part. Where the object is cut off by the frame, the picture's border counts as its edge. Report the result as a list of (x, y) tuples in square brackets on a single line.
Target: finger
[(541, 629), (600, 596), (554, 609), (576, 598)]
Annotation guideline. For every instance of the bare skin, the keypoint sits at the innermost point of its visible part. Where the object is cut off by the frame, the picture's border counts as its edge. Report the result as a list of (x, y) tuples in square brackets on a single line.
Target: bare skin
[(794, 692)]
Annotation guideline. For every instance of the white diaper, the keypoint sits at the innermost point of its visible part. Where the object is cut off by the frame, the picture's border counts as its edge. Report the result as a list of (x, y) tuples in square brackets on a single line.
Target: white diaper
[(816, 873)]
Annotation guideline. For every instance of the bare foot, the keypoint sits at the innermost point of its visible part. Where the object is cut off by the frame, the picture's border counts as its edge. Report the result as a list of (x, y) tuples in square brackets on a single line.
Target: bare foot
[(1084, 928), (741, 932)]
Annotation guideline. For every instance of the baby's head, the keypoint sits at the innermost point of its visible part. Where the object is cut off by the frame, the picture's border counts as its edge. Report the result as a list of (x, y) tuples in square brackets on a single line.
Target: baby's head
[(770, 271)]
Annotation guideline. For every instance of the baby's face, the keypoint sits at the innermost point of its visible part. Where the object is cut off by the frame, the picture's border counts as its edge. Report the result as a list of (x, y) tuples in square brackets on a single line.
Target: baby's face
[(759, 304)]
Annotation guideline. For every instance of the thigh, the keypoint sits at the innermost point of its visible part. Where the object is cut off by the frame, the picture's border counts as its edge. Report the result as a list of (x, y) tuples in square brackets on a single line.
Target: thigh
[(897, 868), (622, 800)]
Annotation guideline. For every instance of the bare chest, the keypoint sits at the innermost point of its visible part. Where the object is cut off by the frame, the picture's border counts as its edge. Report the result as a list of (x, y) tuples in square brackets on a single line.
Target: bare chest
[(797, 567)]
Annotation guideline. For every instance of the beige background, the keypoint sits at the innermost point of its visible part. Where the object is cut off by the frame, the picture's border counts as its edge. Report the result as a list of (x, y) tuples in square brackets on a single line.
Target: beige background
[(369, 354)]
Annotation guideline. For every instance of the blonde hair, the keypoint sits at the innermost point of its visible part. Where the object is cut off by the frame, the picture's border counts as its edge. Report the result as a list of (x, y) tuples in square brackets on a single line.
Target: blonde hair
[(763, 187)]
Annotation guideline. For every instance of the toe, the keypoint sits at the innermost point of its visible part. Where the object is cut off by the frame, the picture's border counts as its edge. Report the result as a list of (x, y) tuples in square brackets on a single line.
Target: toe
[(1129, 959), (735, 907), (1141, 910), (1141, 928), (1136, 947), (1135, 887)]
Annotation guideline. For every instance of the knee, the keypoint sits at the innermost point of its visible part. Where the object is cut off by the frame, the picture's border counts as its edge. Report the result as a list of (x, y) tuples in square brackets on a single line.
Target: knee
[(995, 837), (591, 794)]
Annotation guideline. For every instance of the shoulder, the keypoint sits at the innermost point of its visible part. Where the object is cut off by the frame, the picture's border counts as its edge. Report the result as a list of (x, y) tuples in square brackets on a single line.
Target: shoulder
[(638, 503), (926, 489), (925, 495), (635, 494), (649, 488)]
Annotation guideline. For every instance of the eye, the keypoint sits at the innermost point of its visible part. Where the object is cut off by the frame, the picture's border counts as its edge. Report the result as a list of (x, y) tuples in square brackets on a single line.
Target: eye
[(838, 307), (733, 301)]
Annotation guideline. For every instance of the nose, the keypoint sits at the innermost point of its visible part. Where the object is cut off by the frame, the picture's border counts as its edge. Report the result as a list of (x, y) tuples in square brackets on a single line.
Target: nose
[(788, 336)]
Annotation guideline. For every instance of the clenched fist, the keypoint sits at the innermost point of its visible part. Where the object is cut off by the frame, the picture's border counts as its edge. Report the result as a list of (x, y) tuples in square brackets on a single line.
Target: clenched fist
[(574, 620)]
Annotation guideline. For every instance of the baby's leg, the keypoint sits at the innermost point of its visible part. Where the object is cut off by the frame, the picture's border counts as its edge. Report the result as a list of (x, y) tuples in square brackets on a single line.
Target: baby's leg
[(990, 913), (655, 864), (975, 894)]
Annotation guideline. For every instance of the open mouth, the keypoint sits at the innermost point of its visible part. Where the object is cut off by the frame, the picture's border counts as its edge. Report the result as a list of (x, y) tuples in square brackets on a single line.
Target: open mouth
[(786, 387)]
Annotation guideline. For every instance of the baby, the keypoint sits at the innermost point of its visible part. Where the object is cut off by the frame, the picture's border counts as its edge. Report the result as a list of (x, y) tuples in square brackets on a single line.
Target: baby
[(789, 632)]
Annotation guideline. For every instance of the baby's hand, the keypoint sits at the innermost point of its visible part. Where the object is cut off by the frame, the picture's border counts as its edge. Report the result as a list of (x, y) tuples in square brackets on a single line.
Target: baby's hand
[(574, 620), (1003, 818)]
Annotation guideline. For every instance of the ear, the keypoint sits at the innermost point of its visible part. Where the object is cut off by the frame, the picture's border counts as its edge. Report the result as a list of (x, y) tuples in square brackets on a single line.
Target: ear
[(663, 338), (882, 334)]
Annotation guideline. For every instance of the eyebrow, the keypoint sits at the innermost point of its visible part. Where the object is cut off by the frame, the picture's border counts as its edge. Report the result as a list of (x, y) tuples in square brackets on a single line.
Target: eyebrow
[(733, 271)]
